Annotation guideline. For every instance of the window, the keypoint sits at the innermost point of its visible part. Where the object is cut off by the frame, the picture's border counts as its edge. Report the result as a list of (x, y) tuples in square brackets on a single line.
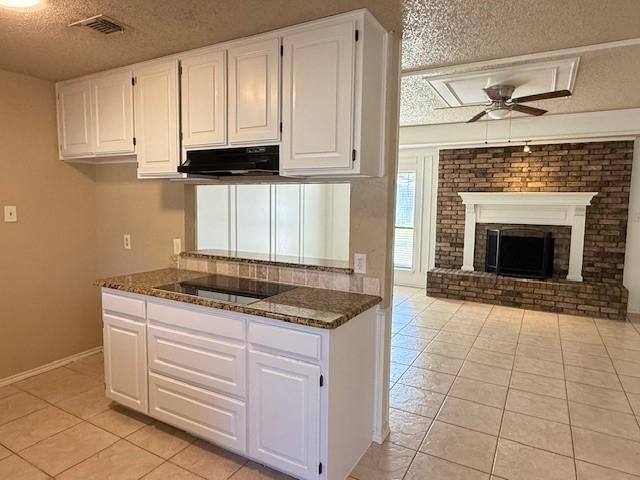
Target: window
[(405, 220), (285, 221)]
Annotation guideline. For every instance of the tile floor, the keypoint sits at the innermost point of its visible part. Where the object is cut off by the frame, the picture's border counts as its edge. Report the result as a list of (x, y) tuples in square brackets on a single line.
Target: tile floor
[(478, 392)]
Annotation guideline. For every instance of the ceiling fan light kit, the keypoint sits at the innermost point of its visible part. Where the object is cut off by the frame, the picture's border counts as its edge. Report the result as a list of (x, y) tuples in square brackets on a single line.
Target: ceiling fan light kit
[(502, 102)]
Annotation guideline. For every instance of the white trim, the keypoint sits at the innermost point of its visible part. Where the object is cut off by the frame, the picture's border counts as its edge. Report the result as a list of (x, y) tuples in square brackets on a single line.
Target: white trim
[(564, 127), (381, 380), (550, 208), (49, 366), (529, 57)]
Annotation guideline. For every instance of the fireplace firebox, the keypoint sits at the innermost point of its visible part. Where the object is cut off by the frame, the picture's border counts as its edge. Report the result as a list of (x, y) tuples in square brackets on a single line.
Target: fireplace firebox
[(520, 252)]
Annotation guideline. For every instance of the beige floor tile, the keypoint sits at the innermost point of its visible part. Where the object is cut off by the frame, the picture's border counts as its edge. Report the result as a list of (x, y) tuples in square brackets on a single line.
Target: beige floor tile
[(91, 365), (462, 328), (432, 468), (592, 377), (485, 373), (429, 322), (19, 405), (520, 462), (624, 354), (25, 431), (480, 392), (629, 384), (540, 406), (120, 420), (598, 397), (445, 305), (427, 379), (634, 400), (420, 332), (540, 353), (121, 461), (625, 367), (383, 462), (528, 382), (613, 452), (460, 445), (169, 471), (586, 348), (536, 432), (495, 345), (161, 439), (8, 390), (474, 416), (448, 349), (87, 404), (588, 471), (415, 400), (396, 370), (4, 452), (535, 366), (208, 461), (407, 429), (254, 471), (67, 448), (588, 361), (493, 359), (61, 384), (404, 356), (15, 468), (456, 338), (604, 421), (410, 342), (438, 363), (538, 341)]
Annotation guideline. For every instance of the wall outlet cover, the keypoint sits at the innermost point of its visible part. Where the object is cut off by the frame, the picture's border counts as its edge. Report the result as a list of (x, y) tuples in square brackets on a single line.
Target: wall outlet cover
[(127, 241), (360, 263), (10, 213), (177, 246)]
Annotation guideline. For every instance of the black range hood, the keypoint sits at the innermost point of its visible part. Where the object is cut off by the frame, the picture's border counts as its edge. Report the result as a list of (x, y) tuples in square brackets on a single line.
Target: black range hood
[(261, 160)]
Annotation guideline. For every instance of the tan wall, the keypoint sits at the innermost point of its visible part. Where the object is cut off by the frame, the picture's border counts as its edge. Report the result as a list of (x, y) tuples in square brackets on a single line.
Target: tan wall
[(151, 211), (48, 308)]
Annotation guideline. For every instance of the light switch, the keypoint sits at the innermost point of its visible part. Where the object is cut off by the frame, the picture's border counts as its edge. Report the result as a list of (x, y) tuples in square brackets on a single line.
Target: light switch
[(177, 246), (10, 213), (359, 263), (127, 241)]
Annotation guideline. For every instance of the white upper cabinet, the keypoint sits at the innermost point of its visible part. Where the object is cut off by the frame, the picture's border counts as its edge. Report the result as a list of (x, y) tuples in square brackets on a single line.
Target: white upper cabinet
[(334, 89), (75, 124), (254, 87), (156, 119), (112, 100), (204, 99)]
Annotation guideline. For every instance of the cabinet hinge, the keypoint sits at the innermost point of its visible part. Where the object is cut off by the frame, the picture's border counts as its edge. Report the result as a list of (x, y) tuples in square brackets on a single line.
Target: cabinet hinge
[(320, 468), (322, 380), (133, 81), (282, 50), (353, 155), (181, 136), (357, 34), (134, 141), (180, 69), (280, 127)]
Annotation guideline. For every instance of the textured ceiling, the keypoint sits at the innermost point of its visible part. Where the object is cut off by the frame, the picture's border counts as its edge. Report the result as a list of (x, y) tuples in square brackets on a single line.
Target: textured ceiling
[(39, 43)]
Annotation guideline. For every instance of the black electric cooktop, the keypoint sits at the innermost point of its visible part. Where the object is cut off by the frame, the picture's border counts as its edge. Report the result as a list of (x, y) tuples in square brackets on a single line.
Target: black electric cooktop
[(227, 289)]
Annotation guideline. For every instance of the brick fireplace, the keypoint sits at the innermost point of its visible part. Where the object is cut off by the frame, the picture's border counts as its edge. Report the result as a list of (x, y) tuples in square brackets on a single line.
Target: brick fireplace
[(602, 167)]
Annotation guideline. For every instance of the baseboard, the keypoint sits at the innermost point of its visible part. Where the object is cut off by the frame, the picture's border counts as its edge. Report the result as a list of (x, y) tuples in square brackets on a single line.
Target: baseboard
[(381, 438), (49, 366)]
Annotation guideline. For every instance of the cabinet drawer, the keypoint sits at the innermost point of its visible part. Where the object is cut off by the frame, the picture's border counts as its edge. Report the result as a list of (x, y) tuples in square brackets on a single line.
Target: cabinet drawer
[(205, 361), (208, 415), (296, 342), (125, 305), (210, 323)]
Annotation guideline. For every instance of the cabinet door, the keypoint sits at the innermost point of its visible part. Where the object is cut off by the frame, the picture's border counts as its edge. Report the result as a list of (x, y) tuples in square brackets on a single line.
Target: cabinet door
[(254, 85), (125, 361), (318, 99), (112, 97), (75, 124), (204, 99), (156, 119), (284, 414)]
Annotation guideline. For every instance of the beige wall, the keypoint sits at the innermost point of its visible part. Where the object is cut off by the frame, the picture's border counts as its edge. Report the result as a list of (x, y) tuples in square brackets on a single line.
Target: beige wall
[(48, 308)]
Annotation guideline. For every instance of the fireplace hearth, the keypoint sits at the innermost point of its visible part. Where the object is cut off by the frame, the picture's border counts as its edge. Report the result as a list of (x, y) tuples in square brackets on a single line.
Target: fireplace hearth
[(520, 252)]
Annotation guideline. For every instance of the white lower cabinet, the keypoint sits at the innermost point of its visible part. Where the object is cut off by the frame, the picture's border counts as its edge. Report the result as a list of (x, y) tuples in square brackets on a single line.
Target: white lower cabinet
[(284, 414), (125, 361)]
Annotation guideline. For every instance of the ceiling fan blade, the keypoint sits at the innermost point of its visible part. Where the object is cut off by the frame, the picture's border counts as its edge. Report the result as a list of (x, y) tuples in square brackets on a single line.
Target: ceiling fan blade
[(542, 96), (477, 117), (528, 110)]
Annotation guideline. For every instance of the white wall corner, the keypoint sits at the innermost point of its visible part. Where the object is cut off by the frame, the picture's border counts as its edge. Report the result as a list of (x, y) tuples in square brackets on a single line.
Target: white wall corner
[(632, 255), (381, 384)]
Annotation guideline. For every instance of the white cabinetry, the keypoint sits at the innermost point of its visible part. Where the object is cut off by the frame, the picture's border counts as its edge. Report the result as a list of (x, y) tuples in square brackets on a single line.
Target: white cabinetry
[(156, 119), (254, 92), (112, 101), (75, 123), (204, 99)]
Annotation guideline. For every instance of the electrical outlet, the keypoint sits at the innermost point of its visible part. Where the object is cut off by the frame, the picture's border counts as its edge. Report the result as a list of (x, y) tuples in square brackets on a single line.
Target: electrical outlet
[(359, 263), (177, 246), (10, 213), (127, 241)]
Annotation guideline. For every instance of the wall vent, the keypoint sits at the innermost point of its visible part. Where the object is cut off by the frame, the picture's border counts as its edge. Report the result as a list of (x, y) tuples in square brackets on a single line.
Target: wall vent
[(101, 24)]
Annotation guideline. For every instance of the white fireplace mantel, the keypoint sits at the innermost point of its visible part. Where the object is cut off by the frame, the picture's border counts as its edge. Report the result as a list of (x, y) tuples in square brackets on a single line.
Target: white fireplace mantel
[(528, 208)]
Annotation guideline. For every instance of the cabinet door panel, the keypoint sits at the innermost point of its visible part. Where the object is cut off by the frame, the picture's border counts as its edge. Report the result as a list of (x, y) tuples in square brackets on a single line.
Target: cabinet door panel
[(112, 98), (284, 414), (318, 98), (254, 84), (75, 122), (156, 119), (204, 98), (125, 359)]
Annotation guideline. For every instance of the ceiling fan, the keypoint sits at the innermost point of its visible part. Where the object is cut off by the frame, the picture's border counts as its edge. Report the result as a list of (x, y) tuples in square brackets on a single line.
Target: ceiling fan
[(502, 103)]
